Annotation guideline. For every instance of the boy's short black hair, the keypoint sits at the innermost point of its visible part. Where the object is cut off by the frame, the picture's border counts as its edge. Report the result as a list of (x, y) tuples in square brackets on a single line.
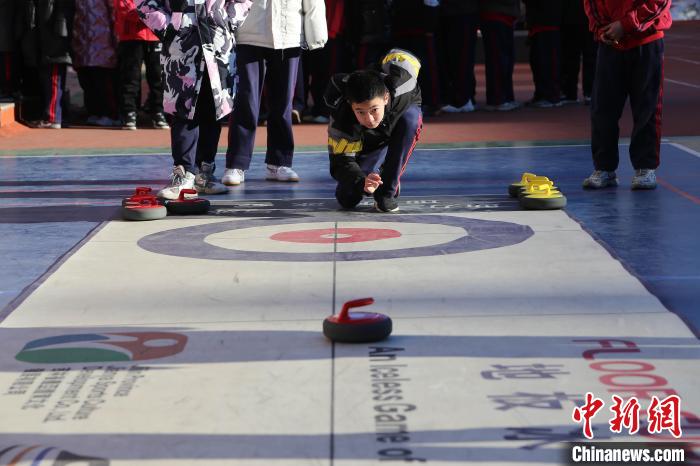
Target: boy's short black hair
[(364, 85)]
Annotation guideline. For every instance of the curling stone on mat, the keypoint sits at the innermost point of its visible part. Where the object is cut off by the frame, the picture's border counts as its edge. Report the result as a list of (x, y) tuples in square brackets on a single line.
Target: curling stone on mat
[(514, 188), (185, 206), (357, 327), (538, 180), (140, 192), (542, 197), (145, 208)]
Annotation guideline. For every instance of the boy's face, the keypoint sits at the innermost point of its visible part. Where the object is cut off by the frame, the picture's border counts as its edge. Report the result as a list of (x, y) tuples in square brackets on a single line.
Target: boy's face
[(370, 112)]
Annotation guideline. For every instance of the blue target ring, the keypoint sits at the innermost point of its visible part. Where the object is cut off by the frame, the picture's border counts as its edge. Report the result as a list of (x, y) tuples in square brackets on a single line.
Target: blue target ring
[(479, 235)]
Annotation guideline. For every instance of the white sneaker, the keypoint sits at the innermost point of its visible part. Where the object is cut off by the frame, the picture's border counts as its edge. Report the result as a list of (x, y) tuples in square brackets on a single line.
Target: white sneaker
[(467, 108), (644, 178), (600, 179), (449, 109), (179, 180), (275, 173), (233, 177), (205, 182)]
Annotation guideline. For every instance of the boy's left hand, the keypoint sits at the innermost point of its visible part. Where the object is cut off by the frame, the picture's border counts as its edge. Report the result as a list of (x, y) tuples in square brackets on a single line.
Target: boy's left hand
[(612, 33)]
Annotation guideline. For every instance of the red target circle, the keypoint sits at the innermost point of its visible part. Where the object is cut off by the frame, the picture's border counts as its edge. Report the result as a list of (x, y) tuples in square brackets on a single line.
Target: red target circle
[(330, 235)]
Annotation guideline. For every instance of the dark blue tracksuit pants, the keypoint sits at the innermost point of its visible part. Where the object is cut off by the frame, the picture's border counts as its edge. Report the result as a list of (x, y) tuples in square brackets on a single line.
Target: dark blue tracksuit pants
[(456, 54), (389, 160), (53, 84), (499, 61), (195, 141), (253, 63), (545, 62), (637, 73)]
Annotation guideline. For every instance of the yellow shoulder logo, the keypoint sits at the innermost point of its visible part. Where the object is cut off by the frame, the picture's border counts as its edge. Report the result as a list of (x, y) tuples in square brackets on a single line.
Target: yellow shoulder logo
[(343, 146)]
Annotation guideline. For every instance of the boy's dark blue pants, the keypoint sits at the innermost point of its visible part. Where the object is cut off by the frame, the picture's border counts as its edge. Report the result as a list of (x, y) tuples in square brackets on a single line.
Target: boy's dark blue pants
[(195, 141), (637, 73), (253, 64), (389, 160)]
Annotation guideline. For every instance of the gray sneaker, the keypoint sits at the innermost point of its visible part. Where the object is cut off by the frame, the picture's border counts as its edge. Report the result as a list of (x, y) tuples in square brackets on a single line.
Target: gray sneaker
[(644, 178), (206, 183), (600, 179)]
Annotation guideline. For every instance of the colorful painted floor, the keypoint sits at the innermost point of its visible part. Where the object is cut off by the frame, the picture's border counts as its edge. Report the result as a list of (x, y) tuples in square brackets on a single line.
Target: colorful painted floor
[(197, 340)]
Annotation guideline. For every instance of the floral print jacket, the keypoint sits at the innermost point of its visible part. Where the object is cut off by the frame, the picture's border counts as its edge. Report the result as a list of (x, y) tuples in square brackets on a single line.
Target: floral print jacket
[(196, 35)]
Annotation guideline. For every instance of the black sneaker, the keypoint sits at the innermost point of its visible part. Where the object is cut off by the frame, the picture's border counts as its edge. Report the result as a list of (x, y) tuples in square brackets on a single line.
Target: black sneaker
[(129, 121), (159, 121), (386, 204)]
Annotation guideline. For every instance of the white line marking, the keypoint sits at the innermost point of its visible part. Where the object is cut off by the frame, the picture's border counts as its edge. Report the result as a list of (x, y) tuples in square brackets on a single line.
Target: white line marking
[(682, 83), (685, 60), (686, 149)]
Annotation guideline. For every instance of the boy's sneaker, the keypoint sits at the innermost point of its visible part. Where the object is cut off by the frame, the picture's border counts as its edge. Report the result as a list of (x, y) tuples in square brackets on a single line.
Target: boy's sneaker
[(386, 204), (644, 178), (281, 173), (586, 100), (129, 121), (233, 177), (600, 179), (159, 121), (296, 117), (206, 183), (179, 180)]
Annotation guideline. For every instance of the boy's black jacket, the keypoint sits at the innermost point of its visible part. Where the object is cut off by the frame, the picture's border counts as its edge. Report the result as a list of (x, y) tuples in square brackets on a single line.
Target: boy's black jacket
[(346, 137)]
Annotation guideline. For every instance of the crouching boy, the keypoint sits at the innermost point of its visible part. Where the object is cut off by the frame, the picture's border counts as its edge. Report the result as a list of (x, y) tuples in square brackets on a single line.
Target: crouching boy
[(374, 126)]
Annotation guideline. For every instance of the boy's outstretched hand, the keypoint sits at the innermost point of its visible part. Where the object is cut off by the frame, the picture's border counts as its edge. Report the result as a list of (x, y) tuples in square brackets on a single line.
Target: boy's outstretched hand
[(372, 182)]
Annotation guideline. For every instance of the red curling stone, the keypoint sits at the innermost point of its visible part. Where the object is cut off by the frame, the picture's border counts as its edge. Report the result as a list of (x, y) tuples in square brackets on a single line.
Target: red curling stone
[(184, 206), (145, 208), (357, 327), (140, 193)]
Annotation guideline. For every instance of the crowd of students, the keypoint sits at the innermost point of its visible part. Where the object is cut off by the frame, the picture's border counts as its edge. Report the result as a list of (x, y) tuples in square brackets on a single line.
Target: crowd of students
[(107, 44)]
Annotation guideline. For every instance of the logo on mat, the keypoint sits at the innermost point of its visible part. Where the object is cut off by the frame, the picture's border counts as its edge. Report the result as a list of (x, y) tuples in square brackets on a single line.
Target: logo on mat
[(46, 456), (102, 347)]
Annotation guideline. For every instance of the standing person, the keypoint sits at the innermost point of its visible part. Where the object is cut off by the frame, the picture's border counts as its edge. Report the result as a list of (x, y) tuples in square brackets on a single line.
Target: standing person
[(413, 27), (630, 63), (577, 47), (544, 35), (497, 22), (95, 59), (8, 45), (270, 39), (368, 23), (456, 39), (198, 46), (137, 44), (47, 28), (375, 124), (321, 64)]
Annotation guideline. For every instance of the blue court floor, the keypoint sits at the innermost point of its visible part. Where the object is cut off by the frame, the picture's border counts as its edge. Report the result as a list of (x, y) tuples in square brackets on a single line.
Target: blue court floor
[(49, 204)]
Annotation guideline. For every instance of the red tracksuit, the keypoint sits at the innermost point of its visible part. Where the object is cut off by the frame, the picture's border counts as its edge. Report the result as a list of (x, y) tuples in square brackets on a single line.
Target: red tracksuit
[(631, 67)]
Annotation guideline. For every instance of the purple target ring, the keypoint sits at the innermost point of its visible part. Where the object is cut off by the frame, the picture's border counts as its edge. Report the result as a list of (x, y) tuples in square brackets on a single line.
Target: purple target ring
[(479, 235)]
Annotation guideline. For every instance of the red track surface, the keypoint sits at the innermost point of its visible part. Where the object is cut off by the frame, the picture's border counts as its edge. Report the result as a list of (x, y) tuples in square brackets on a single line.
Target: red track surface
[(681, 104)]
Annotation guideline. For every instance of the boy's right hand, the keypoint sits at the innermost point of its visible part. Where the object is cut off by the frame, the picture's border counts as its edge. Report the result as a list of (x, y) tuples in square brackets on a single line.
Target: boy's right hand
[(372, 182)]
